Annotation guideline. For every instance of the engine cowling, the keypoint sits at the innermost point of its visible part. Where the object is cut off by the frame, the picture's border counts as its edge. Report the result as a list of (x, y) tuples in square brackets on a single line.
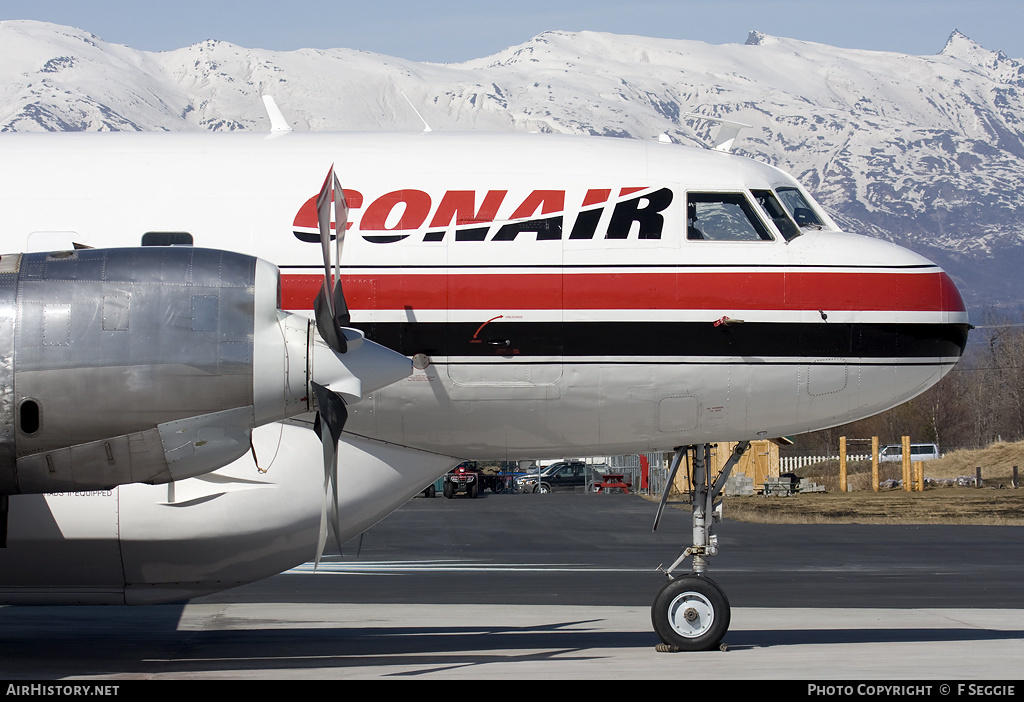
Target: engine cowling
[(153, 364)]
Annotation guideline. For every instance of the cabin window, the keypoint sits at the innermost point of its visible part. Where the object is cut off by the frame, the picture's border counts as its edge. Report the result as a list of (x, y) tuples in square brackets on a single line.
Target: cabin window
[(799, 208), (723, 217), (28, 416), (167, 239), (776, 213)]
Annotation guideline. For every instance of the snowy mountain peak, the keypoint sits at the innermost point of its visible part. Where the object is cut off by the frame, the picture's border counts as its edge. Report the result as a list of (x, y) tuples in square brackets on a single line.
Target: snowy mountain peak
[(756, 38), (960, 46), (1000, 67)]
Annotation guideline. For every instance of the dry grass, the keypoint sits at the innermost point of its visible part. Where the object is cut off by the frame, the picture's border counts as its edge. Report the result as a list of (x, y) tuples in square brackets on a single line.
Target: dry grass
[(990, 505), (996, 463), (933, 506)]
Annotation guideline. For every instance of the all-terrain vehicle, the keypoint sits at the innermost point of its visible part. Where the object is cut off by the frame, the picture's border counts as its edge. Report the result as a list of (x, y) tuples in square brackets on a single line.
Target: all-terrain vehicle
[(464, 477)]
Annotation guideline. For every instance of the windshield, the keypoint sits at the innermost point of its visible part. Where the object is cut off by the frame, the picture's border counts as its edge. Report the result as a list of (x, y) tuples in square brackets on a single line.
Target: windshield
[(799, 209), (770, 204)]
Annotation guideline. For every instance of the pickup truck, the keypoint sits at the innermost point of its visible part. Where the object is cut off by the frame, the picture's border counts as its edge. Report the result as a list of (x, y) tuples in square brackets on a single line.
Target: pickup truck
[(564, 475)]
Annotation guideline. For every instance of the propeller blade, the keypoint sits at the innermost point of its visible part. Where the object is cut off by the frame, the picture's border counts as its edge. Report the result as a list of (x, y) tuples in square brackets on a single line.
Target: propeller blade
[(340, 223), (327, 324), (330, 422), (330, 308), (341, 315)]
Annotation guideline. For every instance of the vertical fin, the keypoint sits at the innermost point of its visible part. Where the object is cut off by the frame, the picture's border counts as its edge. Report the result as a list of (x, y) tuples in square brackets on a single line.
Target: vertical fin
[(727, 131), (277, 121)]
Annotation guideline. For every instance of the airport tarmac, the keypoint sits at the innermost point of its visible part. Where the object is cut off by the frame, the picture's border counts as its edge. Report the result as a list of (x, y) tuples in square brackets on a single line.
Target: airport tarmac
[(559, 586)]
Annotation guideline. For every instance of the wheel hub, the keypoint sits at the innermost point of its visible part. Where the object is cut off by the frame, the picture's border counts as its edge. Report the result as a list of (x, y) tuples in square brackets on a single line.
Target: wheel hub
[(691, 614)]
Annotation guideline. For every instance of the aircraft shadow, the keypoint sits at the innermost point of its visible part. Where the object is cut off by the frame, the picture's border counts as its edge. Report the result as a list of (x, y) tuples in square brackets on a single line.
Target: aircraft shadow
[(45, 642), (740, 639)]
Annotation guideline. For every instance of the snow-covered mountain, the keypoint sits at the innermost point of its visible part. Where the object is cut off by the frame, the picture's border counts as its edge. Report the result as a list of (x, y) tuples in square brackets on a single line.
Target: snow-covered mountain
[(924, 150)]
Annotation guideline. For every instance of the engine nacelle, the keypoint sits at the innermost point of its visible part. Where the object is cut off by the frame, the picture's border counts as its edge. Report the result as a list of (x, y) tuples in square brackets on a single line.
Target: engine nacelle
[(147, 544), (153, 364)]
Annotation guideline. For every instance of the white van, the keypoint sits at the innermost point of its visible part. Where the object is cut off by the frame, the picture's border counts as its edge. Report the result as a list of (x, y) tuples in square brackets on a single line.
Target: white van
[(918, 452)]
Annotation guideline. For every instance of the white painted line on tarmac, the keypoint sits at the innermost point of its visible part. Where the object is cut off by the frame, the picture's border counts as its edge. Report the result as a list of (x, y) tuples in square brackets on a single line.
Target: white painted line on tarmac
[(444, 566)]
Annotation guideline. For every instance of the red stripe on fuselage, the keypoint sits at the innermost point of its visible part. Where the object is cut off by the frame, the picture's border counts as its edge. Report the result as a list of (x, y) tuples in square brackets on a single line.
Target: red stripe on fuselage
[(775, 290)]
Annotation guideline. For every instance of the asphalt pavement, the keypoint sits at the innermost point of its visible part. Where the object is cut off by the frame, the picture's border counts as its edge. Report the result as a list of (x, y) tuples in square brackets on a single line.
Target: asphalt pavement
[(559, 586)]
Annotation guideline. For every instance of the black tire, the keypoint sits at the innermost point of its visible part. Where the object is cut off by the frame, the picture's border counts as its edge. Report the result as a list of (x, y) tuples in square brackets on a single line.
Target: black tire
[(449, 489), (542, 488), (691, 613), (472, 489)]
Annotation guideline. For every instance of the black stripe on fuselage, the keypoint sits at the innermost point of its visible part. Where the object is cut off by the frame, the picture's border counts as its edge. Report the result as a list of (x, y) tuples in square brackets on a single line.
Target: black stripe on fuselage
[(654, 339)]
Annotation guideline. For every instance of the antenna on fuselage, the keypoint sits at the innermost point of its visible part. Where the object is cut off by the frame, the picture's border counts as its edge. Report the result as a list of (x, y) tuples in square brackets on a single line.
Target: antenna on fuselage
[(426, 127), (727, 131)]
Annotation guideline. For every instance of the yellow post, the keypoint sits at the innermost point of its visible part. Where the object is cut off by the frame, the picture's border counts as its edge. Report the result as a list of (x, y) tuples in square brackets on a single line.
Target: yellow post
[(842, 464), (874, 463), (919, 476), (906, 464)]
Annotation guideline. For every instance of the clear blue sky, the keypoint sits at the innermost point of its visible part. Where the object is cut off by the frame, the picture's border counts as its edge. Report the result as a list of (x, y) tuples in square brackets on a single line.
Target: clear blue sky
[(457, 30)]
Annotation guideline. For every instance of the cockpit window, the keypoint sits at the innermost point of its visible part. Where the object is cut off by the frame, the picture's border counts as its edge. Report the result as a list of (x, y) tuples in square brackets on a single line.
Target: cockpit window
[(723, 217), (799, 208), (776, 212)]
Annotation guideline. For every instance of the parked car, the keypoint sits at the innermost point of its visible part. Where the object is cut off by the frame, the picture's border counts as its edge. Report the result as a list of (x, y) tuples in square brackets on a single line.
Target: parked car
[(431, 490), (918, 452), (563, 475)]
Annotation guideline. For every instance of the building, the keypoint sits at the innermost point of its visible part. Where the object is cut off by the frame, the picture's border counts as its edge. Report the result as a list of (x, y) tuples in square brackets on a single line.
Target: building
[(760, 463)]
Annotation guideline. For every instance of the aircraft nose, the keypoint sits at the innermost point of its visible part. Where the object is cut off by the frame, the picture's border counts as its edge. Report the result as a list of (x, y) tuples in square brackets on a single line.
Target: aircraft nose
[(953, 321), (928, 305), (900, 304), (927, 308)]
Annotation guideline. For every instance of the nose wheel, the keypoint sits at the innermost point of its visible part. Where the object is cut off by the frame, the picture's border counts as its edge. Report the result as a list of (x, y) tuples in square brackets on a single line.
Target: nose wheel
[(691, 613)]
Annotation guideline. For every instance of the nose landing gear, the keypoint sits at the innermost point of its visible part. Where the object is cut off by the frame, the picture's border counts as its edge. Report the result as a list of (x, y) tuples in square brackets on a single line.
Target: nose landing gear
[(691, 612)]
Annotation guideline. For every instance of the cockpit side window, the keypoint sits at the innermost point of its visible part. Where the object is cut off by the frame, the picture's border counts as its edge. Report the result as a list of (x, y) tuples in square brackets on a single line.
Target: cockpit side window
[(776, 212), (799, 208), (723, 217)]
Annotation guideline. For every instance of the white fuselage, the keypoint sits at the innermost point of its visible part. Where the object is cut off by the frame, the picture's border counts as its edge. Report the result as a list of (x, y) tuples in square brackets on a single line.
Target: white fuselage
[(553, 289)]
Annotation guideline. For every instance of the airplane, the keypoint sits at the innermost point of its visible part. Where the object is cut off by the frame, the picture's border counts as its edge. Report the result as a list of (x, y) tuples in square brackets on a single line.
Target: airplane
[(166, 380)]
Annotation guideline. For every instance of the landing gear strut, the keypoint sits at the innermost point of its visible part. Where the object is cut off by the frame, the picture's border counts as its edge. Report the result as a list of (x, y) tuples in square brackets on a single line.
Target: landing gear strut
[(691, 613)]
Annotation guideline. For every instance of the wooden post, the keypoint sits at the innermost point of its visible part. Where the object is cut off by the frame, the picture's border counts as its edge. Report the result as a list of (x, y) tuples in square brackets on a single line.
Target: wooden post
[(919, 476), (906, 464), (1015, 481), (842, 464), (977, 480), (874, 463)]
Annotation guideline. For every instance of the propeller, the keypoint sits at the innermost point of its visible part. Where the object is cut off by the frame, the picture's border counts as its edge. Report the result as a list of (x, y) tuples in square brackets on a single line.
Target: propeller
[(331, 313), (347, 365)]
